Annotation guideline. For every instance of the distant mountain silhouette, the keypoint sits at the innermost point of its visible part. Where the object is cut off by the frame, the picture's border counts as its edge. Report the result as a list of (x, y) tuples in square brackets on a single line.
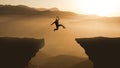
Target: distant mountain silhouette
[(51, 12), (54, 9), (19, 9), (45, 9), (66, 61), (25, 10), (42, 9)]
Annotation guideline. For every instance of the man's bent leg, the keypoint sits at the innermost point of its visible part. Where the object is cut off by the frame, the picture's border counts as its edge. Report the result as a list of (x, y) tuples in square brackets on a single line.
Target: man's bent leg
[(62, 25), (56, 28)]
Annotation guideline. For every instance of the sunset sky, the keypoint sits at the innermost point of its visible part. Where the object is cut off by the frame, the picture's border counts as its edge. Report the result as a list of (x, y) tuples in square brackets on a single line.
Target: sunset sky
[(98, 7)]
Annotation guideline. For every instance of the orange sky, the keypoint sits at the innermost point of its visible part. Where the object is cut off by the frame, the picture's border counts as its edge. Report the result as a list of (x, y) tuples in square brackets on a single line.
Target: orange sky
[(98, 7)]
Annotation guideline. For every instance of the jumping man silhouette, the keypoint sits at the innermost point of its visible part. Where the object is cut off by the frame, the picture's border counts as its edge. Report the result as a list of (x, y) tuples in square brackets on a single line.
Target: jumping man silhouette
[(56, 22)]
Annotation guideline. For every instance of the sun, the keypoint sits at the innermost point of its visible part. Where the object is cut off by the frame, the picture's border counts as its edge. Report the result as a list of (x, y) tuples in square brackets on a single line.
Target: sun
[(98, 7)]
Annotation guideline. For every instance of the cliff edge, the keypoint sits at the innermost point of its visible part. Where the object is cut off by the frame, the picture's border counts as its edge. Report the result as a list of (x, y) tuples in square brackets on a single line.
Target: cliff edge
[(103, 52), (17, 52)]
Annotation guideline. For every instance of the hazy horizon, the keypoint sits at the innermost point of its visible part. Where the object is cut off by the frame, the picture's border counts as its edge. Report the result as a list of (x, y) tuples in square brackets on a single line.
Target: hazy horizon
[(96, 7), (59, 45), (60, 49)]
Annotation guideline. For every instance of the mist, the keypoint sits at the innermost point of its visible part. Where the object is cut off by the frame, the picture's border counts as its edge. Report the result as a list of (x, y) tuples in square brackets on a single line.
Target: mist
[(60, 43)]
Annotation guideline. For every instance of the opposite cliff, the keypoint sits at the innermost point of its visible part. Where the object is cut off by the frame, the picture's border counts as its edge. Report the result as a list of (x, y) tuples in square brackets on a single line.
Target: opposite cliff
[(17, 52), (103, 52)]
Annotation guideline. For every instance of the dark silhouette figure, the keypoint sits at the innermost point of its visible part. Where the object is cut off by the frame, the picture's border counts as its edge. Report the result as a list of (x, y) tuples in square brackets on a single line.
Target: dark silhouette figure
[(56, 22)]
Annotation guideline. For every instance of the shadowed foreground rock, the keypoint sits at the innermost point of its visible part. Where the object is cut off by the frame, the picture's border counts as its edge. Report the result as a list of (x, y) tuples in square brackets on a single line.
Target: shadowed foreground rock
[(103, 52), (17, 52)]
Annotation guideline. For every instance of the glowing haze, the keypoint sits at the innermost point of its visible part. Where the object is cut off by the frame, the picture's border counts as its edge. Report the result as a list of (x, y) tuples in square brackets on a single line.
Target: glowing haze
[(97, 7)]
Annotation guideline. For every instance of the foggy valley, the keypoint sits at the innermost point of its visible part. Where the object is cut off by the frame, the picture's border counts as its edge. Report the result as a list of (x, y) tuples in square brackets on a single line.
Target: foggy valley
[(60, 50)]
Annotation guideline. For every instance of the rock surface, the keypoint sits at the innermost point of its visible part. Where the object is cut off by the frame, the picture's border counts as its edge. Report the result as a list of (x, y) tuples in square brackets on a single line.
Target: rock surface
[(103, 52), (17, 52)]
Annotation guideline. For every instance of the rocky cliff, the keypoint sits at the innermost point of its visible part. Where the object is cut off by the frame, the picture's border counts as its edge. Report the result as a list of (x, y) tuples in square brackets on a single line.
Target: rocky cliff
[(103, 52), (17, 52)]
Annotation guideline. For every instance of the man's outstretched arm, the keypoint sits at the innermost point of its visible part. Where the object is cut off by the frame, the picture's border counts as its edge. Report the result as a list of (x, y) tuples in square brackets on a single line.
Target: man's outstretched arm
[(52, 23)]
